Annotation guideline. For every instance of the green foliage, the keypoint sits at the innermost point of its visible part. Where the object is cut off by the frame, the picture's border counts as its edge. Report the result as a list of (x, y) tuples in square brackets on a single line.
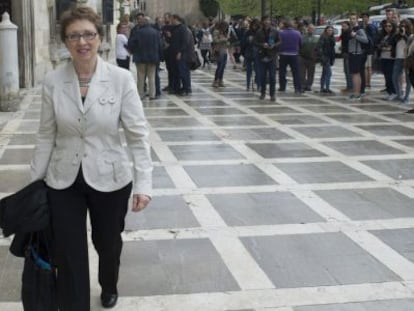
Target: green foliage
[(295, 8), (241, 7), (210, 8)]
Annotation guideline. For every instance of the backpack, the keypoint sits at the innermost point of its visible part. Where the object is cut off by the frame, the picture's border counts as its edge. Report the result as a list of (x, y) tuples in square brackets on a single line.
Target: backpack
[(206, 37), (371, 32)]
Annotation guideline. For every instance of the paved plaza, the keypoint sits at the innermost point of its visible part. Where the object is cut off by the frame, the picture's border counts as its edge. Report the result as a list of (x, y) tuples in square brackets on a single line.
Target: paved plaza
[(304, 204)]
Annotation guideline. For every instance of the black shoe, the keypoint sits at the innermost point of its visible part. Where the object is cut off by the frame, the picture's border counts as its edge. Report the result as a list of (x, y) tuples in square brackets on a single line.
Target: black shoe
[(262, 97), (108, 300)]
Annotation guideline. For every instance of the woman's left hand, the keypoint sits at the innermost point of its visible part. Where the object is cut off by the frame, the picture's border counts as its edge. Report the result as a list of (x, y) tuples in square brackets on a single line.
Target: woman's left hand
[(139, 202)]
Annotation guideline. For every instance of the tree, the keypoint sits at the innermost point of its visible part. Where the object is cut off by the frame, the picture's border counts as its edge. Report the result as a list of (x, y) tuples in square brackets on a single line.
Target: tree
[(210, 8)]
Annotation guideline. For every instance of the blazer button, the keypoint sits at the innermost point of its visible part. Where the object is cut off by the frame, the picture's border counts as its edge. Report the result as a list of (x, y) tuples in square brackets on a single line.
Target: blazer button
[(85, 155)]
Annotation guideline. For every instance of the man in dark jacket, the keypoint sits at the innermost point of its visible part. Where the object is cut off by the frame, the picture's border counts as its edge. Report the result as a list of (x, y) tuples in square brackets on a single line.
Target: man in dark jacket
[(144, 43), (182, 51), (267, 40)]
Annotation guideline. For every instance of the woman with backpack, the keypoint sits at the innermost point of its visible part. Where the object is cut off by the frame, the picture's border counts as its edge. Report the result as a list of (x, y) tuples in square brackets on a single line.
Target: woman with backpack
[(204, 43), (326, 49)]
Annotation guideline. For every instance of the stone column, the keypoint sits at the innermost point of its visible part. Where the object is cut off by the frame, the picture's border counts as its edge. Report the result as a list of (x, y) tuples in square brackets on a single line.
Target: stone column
[(9, 65)]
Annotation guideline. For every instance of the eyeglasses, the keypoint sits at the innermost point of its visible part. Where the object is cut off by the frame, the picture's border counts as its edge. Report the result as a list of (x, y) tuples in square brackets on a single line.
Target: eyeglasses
[(87, 36)]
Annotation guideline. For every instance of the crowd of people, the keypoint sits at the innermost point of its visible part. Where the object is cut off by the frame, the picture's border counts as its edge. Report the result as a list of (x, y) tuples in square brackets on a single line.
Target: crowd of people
[(264, 47)]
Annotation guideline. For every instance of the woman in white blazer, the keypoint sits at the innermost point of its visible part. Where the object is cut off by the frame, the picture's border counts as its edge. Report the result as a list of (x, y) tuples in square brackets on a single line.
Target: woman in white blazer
[(80, 155)]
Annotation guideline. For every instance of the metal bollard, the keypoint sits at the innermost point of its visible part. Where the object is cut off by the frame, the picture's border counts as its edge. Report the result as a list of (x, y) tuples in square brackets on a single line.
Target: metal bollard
[(9, 65)]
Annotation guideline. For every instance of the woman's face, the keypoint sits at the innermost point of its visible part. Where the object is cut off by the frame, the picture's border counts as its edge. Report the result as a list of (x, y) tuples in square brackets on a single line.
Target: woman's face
[(329, 31), (82, 40), (388, 27)]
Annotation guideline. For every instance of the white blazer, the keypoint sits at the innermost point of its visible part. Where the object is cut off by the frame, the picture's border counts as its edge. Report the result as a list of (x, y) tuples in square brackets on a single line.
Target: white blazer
[(72, 133)]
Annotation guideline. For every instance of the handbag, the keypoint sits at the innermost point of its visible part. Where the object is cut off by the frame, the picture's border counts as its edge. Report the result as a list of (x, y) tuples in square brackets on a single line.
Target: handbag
[(39, 291), (195, 62)]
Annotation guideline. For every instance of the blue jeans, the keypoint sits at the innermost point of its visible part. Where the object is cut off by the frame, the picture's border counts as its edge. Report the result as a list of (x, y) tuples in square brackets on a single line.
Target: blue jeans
[(221, 65), (397, 71), (348, 76), (407, 85), (268, 69), (387, 68), (326, 76), (252, 66)]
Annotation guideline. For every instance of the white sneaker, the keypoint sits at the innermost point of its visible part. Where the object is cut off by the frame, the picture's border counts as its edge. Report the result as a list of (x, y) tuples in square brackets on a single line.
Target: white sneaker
[(392, 97)]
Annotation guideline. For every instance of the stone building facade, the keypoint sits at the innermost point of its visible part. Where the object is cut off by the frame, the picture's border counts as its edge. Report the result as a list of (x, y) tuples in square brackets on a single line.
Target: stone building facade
[(39, 45)]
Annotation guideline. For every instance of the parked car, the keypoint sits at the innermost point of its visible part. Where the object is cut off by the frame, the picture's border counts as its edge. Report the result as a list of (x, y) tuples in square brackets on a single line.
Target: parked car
[(337, 33)]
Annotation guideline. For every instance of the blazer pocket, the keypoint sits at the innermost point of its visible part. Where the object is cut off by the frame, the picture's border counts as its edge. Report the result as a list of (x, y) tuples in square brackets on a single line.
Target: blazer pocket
[(105, 166), (122, 170)]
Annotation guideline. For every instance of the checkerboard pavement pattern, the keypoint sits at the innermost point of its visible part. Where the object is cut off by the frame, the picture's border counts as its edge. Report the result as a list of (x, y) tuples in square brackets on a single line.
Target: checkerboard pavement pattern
[(303, 204)]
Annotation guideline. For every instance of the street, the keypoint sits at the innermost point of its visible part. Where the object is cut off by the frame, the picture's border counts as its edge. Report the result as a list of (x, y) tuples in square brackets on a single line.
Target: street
[(303, 204)]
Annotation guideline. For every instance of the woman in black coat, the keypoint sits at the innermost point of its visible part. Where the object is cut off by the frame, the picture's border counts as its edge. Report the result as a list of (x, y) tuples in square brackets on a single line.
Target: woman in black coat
[(326, 48)]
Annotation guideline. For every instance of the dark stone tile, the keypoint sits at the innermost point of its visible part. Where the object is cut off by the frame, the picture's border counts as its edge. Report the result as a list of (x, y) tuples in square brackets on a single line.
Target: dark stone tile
[(328, 131), (236, 120), (161, 179), (309, 101), (378, 107), (168, 267), (367, 204), (219, 110), (388, 130), (165, 112), (268, 133), (22, 139), (32, 115), (28, 126), (158, 104), (10, 278), (397, 169), (379, 305), (400, 240), (174, 122), (204, 103), (285, 150), (404, 117), (205, 152), (356, 118), (327, 109), (16, 156), (405, 142), (256, 209), (297, 119), (154, 156), (174, 210), (187, 135), (228, 175), (274, 110), (239, 94), (321, 172), (363, 147), (322, 259), (13, 180)]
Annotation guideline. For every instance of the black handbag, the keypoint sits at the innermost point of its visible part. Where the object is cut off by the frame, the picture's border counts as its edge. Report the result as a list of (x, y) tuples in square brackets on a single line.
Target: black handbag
[(195, 62), (39, 288)]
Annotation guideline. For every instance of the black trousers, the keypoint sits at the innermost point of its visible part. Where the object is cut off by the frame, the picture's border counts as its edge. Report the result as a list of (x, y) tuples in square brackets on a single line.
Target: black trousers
[(107, 212)]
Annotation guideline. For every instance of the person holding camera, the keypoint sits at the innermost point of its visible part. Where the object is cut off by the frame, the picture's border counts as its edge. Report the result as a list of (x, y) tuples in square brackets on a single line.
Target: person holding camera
[(387, 55), (404, 32)]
